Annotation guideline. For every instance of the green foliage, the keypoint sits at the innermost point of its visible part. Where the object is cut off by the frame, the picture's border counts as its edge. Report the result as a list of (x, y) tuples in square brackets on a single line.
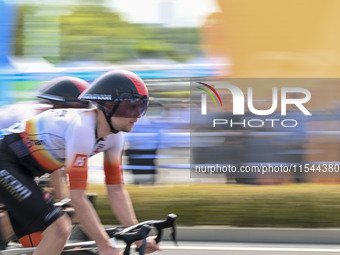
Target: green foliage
[(92, 31), (298, 205), (98, 33)]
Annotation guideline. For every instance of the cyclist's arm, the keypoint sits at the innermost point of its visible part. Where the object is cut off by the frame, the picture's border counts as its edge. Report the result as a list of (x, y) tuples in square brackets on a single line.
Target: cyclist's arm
[(119, 197), (85, 213), (89, 219), (121, 204)]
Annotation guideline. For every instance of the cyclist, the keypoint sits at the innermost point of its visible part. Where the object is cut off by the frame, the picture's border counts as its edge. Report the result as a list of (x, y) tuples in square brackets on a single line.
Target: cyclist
[(67, 137), (61, 92)]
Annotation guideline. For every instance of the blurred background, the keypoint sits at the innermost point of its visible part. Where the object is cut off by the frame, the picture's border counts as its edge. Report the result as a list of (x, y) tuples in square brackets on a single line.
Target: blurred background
[(159, 40), (171, 43)]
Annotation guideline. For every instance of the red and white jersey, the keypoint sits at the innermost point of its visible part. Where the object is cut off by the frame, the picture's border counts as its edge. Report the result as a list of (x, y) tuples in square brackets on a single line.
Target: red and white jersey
[(67, 137)]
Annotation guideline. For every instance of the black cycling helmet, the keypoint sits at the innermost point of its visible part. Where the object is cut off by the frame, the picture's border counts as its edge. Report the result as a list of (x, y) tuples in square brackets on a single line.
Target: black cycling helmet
[(118, 94), (64, 89)]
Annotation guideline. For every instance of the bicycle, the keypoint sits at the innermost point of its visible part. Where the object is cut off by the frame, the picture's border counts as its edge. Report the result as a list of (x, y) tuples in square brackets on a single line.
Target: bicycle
[(129, 235)]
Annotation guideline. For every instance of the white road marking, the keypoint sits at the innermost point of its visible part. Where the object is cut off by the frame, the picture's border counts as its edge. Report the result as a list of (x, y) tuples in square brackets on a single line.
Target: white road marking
[(272, 249)]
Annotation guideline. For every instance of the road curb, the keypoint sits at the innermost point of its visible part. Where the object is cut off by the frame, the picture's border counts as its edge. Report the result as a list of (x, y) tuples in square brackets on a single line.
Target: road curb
[(257, 235)]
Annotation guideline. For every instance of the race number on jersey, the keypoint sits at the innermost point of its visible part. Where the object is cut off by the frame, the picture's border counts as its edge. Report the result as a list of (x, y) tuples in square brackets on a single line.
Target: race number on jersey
[(80, 160)]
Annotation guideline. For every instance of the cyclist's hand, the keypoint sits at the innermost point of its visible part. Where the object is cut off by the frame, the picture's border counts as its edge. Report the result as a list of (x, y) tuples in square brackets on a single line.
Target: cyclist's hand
[(151, 245), (110, 251)]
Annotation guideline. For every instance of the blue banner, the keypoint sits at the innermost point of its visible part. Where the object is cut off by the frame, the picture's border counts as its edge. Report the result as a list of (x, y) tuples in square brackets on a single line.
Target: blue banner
[(7, 14)]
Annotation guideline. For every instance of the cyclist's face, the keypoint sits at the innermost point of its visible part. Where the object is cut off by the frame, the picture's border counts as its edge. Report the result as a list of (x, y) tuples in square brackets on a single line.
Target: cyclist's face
[(123, 124)]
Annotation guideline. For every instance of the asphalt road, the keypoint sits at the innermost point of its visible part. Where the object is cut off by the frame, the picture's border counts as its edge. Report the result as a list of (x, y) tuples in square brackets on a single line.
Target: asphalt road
[(209, 248)]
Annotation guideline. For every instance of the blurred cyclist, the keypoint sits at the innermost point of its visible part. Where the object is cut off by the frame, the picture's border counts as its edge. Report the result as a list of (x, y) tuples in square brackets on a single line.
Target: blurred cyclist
[(61, 92), (67, 137)]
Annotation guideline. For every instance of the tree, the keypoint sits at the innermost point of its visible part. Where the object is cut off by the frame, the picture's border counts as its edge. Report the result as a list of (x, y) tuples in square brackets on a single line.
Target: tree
[(94, 32)]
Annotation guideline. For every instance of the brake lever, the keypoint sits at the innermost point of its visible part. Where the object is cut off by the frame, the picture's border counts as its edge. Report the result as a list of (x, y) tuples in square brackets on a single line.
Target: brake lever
[(174, 235), (141, 249), (168, 223), (130, 238)]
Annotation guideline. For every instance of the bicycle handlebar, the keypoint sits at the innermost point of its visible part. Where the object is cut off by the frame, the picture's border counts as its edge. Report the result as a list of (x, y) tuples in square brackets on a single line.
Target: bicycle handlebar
[(162, 224), (129, 236)]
